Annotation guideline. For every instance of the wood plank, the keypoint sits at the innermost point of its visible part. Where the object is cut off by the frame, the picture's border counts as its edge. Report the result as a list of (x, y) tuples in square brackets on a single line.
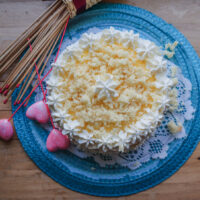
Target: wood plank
[(26, 181), (12, 14), (16, 16), (5, 107)]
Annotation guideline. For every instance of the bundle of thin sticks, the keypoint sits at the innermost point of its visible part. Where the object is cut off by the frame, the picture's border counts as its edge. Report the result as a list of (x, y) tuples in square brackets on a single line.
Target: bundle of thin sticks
[(43, 36)]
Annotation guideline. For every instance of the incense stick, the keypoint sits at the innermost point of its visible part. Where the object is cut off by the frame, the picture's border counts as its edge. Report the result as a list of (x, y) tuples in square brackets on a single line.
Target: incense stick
[(42, 35), (42, 78)]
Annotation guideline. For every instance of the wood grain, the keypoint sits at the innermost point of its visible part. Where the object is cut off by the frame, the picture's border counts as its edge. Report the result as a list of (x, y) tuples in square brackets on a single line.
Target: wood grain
[(20, 179)]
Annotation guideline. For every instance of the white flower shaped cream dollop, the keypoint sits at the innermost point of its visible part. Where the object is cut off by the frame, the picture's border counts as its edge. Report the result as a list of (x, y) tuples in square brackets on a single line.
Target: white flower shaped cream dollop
[(130, 39), (55, 99), (71, 128), (146, 49), (61, 116), (106, 89)]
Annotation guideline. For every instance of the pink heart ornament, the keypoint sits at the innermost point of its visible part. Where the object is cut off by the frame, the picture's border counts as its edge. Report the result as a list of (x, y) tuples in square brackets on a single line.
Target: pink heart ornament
[(57, 141), (6, 129), (39, 112)]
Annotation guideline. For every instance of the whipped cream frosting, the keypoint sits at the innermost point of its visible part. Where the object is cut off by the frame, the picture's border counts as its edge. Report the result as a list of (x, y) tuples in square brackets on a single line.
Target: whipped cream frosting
[(109, 90)]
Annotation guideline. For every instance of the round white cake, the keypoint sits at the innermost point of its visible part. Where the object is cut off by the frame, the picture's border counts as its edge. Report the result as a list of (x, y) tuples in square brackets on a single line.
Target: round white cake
[(108, 91)]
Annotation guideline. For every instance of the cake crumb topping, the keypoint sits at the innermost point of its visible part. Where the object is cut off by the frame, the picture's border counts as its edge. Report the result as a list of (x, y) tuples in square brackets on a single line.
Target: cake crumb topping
[(112, 87), (174, 128)]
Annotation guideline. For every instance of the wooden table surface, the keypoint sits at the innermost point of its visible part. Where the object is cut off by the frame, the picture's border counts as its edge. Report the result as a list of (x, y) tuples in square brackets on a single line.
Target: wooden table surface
[(21, 179)]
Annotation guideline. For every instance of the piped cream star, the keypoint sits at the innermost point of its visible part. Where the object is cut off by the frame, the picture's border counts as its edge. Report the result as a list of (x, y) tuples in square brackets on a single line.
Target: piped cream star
[(156, 63), (54, 83), (106, 88), (87, 41), (57, 67), (71, 128), (163, 101), (123, 141), (60, 116), (55, 100), (146, 49), (164, 84), (104, 142), (110, 35), (86, 138), (130, 39), (72, 53)]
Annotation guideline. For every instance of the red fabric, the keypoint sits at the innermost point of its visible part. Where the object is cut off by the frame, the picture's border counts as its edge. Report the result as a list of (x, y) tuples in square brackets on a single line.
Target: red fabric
[(80, 5)]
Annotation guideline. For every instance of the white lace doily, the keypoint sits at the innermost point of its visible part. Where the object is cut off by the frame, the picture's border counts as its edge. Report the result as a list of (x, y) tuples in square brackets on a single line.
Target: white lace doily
[(155, 147)]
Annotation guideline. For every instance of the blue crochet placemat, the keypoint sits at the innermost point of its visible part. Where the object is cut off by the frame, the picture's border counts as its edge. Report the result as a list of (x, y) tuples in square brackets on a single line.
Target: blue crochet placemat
[(85, 175)]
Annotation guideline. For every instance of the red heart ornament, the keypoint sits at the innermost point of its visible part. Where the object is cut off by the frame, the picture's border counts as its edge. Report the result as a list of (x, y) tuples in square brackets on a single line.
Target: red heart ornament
[(39, 112), (56, 140), (6, 129)]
